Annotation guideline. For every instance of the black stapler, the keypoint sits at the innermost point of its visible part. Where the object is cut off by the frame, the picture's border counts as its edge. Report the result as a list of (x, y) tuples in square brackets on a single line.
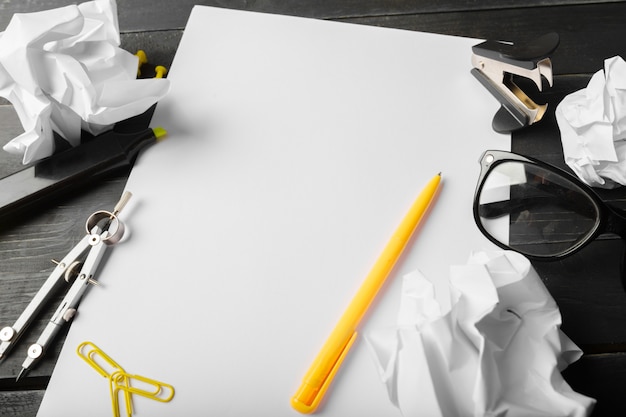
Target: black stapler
[(495, 64)]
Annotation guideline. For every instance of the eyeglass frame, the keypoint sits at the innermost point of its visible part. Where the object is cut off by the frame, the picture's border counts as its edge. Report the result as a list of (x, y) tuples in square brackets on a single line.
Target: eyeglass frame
[(610, 219)]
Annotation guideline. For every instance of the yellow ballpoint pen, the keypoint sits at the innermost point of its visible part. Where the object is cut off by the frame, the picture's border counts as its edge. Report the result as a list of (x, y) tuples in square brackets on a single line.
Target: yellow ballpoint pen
[(327, 363)]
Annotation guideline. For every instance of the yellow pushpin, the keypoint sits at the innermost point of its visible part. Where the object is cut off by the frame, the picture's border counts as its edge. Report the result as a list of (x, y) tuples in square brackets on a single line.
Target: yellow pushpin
[(143, 59), (160, 71)]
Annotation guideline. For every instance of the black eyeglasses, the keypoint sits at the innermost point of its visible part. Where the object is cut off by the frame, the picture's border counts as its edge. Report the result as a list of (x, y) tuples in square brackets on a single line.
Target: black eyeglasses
[(539, 210)]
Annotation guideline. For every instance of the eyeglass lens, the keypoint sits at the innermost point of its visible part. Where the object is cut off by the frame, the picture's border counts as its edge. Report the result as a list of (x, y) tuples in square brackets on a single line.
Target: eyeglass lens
[(534, 210)]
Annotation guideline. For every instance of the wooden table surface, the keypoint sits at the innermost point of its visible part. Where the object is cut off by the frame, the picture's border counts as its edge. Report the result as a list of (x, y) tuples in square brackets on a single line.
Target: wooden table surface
[(586, 286)]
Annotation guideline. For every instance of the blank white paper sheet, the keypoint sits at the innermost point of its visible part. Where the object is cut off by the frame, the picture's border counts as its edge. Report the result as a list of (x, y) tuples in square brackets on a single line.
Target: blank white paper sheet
[(295, 148)]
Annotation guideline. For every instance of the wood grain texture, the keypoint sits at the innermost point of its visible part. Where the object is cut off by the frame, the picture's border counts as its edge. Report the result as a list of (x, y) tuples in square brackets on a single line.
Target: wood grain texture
[(587, 286), (582, 49), (20, 403), (147, 15), (589, 33), (589, 30)]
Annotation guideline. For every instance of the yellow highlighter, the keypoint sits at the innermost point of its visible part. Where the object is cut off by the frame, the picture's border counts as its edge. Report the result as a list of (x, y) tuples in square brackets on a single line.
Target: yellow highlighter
[(327, 363)]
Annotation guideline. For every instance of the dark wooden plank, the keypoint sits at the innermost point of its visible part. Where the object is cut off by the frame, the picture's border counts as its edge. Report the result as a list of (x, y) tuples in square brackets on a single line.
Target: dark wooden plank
[(20, 403), (27, 247), (25, 253), (143, 15), (601, 377), (582, 50), (598, 376), (587, 286), (583, 46), (146, 15), (589, 33)]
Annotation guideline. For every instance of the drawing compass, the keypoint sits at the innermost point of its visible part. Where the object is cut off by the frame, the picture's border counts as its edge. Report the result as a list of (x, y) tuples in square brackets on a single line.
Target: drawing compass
[(78, 267)]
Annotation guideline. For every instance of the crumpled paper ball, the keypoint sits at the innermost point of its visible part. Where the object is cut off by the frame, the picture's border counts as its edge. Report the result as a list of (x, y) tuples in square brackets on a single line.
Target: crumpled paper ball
[(592, 122), (497, 352), (63, 70)]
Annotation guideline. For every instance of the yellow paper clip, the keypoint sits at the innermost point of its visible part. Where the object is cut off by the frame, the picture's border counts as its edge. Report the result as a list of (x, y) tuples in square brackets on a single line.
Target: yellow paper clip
[(120, 380), (90, 359), (142, 386), (100, 367)]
